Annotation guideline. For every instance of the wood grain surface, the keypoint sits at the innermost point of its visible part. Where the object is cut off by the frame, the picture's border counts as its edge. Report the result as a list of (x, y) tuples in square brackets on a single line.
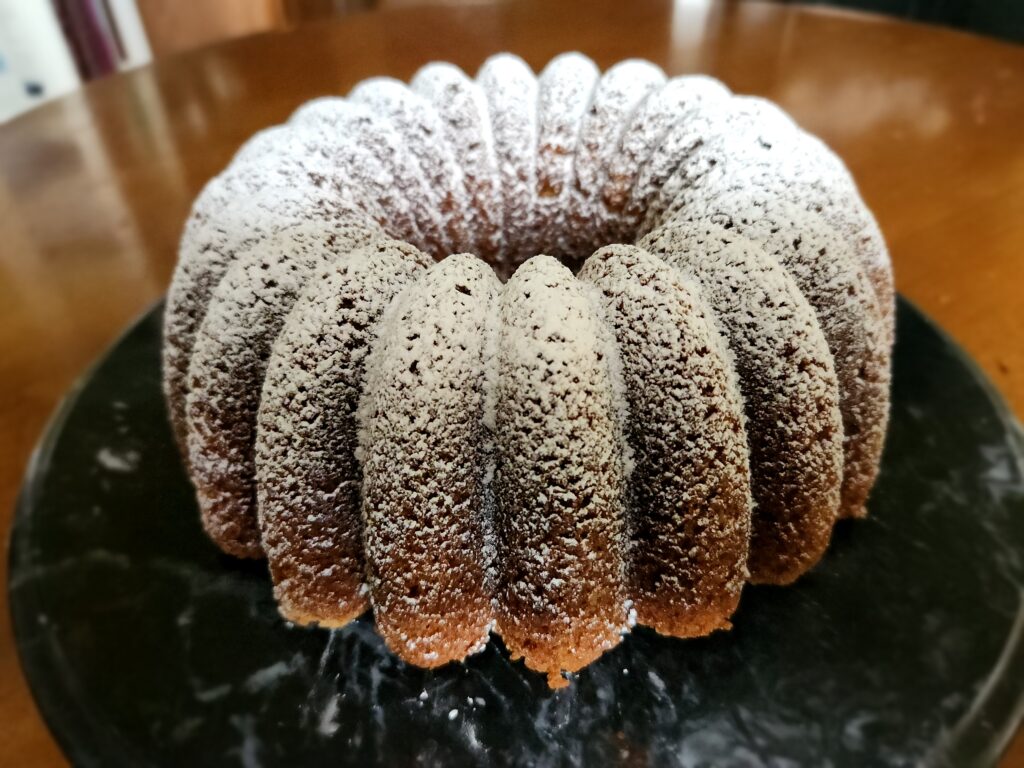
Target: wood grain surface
[(94, 188)]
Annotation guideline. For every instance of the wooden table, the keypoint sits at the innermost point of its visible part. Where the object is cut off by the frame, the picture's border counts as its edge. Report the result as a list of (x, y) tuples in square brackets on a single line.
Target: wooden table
[(95, 187)]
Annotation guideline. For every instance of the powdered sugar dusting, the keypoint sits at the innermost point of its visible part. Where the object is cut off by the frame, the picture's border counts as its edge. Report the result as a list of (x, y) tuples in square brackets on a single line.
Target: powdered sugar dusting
[(690, 500), (295, 183), (618, 94), (753, 137), (419, 127), (226, 373), (462, 107), (704, 103), (789, 387), (425, 452), (511, 91), (655, 121), (261, 144), (208, 246), (566, 87), (307, 475), (560, 480), (832, 279), (406, 205), (389, 172)]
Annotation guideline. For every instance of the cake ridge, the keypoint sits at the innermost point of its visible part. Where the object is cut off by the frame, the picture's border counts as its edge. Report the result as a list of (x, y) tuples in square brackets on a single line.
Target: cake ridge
[(308, 476)]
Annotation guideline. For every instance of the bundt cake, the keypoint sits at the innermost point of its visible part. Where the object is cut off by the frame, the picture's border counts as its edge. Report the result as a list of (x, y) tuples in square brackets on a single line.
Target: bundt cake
[(548, 356)]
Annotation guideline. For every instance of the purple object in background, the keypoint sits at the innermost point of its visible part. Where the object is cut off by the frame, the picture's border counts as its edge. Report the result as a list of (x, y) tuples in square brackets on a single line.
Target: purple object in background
[(92, 35), (105, 36)]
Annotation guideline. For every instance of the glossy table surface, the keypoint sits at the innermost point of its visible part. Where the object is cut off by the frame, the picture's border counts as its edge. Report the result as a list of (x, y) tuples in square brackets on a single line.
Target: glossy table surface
[(94, 188)]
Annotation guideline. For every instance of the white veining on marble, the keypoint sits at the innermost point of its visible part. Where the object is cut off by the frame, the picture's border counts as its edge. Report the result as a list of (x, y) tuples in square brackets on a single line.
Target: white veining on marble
[(126, 461)]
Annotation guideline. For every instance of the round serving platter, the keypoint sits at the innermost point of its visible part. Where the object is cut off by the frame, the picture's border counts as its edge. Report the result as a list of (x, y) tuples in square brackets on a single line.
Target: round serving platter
[(145, 646)]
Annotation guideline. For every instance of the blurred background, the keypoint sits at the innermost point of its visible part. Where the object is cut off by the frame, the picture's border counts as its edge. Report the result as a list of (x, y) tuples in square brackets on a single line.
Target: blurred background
[(50, 47)]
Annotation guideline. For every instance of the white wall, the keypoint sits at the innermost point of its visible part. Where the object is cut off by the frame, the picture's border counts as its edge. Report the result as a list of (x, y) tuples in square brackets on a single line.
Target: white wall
[(35, 63)]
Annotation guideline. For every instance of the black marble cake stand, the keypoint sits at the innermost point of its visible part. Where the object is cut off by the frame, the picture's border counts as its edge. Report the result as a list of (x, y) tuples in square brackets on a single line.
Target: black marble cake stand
[(144, 646)]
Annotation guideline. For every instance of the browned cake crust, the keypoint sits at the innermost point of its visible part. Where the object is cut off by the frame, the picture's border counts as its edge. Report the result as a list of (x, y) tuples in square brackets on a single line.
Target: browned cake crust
[(307, 475), (834, 282), (226, 373), (426, 452), (462, 108), (234, 212), (689, 503), (789, 387), (746, 142), (566, 89), (619, 93), (561, 473), (510, 88)]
